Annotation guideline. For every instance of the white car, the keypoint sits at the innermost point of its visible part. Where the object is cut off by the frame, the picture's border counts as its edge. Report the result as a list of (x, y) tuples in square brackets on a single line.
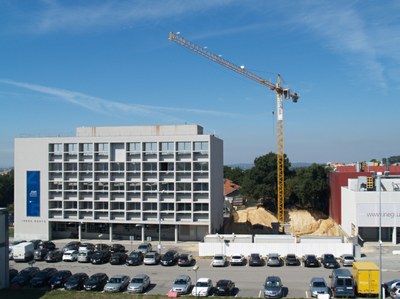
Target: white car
[(70, 256), (202, 287), (219, 260), (237, 259)]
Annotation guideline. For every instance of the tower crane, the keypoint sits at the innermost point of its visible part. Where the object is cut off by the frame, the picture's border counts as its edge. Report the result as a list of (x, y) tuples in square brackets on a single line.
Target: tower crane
[(281, 93)]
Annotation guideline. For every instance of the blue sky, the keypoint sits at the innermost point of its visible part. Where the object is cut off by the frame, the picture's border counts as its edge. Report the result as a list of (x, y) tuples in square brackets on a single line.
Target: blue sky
[(66, 64)]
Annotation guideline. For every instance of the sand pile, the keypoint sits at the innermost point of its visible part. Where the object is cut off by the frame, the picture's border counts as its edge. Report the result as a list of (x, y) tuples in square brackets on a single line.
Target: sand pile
[(256, 216)]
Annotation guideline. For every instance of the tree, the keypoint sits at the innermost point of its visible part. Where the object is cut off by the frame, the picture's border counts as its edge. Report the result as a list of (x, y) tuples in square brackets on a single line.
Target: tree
[(310, 187), (6, 189), (260, 181), (235, 174)]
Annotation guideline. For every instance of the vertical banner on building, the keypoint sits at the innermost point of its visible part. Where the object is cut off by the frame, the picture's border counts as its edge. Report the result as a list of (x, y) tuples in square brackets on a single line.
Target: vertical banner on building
[(33, 193)]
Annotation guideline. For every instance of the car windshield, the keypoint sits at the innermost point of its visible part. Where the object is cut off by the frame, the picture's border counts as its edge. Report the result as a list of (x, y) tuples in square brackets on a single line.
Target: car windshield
[(149, 256), (115, 280), (95, 278), (134, 254), (272, 283), (345, 282), (202, 284), (222, 283), (319, 284), (218, 257), (144, 246), (74, 279), (180, 281), (137, 280), (236, 257)]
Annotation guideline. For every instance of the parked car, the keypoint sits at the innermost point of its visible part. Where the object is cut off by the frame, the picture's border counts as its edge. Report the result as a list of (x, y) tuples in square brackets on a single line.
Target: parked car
[(40, 254), (145, 247), (328, 260), (274, 260), (135, 258), (117, 248), (100, 257), (96, 282), (86, 247), (347, 260), (41, 279), (273, 287), (59, 279), (185, 259), (76, 281), (202, 287), (85, 256), (10, 253), (35, 243), (12, 273), (237, 260), (395, 292), (310, 260), (73, 245), (389, 285), (169, 258), (117, 283), (70, 256), (151, 258), (47, 245), (102, 247), (139, 284), (292, 260), (23, 277), (118, 258), (53, 256), (318, 286), (224, 287), (256, 260), (219, 260), (182, 284)]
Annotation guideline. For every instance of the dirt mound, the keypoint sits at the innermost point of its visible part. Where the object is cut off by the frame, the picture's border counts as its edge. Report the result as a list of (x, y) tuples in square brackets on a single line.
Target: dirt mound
[(302, 222)]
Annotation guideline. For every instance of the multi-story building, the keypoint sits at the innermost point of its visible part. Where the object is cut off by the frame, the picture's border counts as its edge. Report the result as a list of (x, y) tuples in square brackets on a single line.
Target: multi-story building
[(120, 182)]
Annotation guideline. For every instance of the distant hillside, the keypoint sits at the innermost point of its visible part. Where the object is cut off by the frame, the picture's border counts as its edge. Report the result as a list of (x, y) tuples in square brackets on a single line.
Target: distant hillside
[(246, 166)]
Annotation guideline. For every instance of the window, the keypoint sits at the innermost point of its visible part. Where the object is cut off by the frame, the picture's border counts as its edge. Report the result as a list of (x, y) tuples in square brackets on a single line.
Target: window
[(102, 167), (183, 146), (86, 167), (150, 206), (134, 147), (72, 148), (167, 147), (102, 147), (200, 166), (183, 166), (184, 207), (71, 167), (150, 166), (201, 207), (183, 187), (87, 148), (200, 186), (133, 166), (166, 166), (201, 146), (57, 148), (167, 187), (167, 206), (150, 146)]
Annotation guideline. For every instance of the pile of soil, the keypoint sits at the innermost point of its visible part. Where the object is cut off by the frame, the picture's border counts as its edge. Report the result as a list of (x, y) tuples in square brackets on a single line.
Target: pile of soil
[(302, 222)]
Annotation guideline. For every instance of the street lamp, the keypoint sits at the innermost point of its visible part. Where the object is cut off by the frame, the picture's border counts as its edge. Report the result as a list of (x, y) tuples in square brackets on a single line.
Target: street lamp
[(378, 176), (195, 268), (159, 220)]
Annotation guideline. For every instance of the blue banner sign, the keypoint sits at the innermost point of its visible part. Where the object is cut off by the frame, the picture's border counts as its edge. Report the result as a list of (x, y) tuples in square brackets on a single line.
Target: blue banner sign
[(33, 193)]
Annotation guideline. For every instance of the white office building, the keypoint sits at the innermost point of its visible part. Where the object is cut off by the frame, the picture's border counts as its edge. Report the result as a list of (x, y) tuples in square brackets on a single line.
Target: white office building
[(369, 204), (141, 183)]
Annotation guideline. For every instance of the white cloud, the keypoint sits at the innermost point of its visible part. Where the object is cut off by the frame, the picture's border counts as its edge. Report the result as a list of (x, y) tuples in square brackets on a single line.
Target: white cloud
[(102, 106)]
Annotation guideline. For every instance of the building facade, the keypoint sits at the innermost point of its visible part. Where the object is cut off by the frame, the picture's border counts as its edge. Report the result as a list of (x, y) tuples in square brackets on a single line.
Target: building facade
[(138, 183)]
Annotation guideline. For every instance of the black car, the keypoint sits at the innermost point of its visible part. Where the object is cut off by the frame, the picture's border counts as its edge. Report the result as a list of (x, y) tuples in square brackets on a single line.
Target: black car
[(118, 258), (256, 260), (35, 243), (170, 258), (117, 248), (40, 254), (53, 256), (135, 258), (102, 247), (73, 245), (224, 287), (310, 260), (100, 257), (328, 260), (23, 277), (47, 245), (41, 279), (12, 273), (76, 281), (292, 260), (96, 282), (59, 279)]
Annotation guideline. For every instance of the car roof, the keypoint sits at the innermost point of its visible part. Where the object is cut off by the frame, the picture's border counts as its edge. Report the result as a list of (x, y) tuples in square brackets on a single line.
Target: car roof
[(273, 278), (140, 276), (203, 279), (317, 279), (183, 276)]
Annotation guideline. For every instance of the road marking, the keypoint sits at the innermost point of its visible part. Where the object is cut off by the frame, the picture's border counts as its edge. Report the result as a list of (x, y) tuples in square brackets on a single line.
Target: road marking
[(306, 294), (259, 294)]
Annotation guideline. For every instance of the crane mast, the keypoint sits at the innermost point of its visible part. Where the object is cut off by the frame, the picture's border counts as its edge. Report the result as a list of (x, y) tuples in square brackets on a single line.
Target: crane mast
[(281, 93)]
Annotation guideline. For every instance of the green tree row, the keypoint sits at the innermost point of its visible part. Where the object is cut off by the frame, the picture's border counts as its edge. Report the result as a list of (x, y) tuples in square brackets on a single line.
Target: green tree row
[(305, 187), (7, 190)]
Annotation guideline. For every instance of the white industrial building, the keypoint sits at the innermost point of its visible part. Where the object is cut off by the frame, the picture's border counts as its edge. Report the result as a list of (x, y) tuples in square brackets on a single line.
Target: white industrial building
[(369, 203), (136, 182)]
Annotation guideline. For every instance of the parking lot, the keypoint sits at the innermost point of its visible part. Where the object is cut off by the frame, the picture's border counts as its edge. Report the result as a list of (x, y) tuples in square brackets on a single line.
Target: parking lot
[(248, 280)]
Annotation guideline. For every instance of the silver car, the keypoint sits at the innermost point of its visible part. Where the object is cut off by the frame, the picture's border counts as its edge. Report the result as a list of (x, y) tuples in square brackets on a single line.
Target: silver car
[(274, 260), (318, 286), (151, 258), (117, 283), (347, 260), (182, 284), (139, 284)]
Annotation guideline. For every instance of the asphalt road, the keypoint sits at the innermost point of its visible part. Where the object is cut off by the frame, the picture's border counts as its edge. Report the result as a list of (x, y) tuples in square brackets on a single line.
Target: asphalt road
[(249, 280)]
